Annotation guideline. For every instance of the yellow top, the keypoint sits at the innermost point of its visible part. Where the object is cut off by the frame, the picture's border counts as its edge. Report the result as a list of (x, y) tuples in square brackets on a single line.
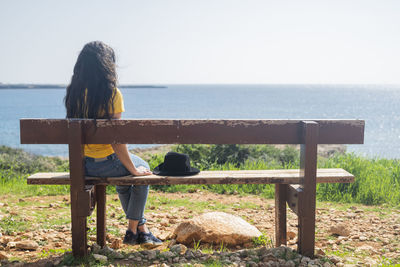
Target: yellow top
[(104, 150)]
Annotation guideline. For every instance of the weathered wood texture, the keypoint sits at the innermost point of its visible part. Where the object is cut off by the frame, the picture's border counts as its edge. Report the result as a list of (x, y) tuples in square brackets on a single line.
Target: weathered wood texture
[(205, 177), (54, 131), (308, 170), (80, 198), (101, 217), (280, 214), (294, 196)]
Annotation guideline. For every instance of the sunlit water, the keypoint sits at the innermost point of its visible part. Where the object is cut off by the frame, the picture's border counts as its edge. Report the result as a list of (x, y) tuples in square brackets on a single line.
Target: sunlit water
[(377, 105)]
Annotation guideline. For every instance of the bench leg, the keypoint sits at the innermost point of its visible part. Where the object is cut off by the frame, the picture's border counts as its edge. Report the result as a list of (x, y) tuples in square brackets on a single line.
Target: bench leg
[(101, 214), (79, 229), (80, 196), (306, 242), (280, 214), (307, 206)]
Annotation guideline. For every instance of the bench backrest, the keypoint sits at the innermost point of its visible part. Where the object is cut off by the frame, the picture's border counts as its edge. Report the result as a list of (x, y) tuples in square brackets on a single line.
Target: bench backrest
[(57, 131)]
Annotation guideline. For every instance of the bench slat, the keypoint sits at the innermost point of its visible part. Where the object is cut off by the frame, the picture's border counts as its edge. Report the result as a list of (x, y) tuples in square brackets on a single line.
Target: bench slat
[(142, 131), (285, 176)]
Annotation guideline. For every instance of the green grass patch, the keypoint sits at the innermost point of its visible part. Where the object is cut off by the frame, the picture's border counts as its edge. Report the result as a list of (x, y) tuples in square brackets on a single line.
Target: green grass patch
[(377, 180), (13, 224)]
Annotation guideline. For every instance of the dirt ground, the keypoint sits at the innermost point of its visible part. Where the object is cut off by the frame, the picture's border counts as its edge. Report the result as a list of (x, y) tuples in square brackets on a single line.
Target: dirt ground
[(373, 231)]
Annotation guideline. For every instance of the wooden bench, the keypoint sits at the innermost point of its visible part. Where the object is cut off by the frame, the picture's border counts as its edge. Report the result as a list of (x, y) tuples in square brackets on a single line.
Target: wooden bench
[(297, 188)]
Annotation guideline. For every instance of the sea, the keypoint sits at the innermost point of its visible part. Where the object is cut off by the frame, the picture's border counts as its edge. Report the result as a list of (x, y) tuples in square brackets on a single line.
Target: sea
[(378, 105)]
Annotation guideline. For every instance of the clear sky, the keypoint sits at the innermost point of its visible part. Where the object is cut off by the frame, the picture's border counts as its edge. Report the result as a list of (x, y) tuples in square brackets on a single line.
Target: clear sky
[(205, 41)]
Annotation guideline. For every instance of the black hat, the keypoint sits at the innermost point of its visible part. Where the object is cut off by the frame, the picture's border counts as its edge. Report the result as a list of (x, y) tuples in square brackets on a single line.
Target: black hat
[(175, 164)]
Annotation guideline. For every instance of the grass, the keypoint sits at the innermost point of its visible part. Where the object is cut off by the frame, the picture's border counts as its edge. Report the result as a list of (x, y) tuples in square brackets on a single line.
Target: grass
[(53, 252), (264, 240), (377, 180), (12, 224)]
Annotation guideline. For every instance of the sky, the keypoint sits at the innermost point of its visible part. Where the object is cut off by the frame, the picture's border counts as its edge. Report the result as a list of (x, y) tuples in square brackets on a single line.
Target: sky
[(206, 41)]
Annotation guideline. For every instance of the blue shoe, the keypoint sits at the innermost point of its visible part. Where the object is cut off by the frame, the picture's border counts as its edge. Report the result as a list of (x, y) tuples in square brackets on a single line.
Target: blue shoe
[(131, 238), (148, 240)]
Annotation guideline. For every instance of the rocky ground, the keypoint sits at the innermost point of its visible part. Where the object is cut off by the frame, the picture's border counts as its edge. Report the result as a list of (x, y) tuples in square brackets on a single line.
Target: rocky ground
[(37, 230)]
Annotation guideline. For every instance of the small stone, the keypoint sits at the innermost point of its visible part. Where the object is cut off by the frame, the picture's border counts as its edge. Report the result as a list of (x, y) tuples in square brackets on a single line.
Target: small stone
[(164, 222), (281, 262), (151, 254), (27, 245), (291, 235), (262, 251), (178, 249), (105, 251), (5, 240), (269, 257), (95, 248), (189, 254), (279, 251), (371, 262), (167, 254), (116, 255), (290, 264), (305, 260), (205, 258), (363, 238), (340, 229), (320, 252), (335, 259), (198, 253), (11, 244), (171, 243), (164, 235), (3, 256), (366, 248), (116, 244), (100, 258)]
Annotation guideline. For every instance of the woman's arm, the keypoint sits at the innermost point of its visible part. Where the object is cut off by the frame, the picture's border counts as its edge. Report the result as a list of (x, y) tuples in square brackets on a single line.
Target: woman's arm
[(121, 150)]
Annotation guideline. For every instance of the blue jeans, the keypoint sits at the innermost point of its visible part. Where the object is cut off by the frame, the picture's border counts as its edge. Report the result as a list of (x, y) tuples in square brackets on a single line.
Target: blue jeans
[(133, 197)]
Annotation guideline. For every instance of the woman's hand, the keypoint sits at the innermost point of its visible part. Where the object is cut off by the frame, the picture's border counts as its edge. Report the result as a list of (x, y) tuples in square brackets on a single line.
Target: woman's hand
[(141, 171), (123, 155)]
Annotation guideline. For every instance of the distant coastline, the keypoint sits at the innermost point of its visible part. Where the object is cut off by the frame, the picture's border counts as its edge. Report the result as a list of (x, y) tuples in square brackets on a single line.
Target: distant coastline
[(63, 86)]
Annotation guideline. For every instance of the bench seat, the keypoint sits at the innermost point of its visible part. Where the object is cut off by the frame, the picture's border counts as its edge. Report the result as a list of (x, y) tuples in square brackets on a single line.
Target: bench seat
[(284, 176)]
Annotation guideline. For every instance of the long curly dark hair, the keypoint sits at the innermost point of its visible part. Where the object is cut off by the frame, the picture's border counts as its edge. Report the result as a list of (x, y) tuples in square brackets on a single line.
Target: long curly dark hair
[(92, 89)]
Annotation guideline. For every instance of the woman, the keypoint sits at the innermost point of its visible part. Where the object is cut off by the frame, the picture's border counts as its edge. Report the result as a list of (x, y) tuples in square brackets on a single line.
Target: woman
[(93, 94)]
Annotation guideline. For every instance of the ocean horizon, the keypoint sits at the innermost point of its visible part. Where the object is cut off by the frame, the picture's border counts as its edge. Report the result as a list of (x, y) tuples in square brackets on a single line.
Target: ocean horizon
[(378, 105)]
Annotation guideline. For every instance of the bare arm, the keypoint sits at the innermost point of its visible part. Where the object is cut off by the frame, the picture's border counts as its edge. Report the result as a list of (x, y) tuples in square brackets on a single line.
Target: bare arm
[(121, 150)]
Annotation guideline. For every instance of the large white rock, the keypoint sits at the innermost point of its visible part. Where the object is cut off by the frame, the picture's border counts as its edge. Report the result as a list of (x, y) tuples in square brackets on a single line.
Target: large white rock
[(216, 228)]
